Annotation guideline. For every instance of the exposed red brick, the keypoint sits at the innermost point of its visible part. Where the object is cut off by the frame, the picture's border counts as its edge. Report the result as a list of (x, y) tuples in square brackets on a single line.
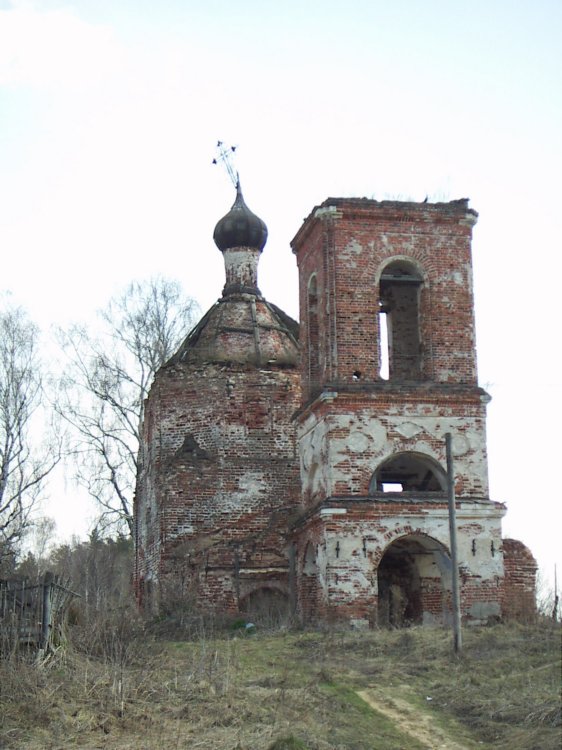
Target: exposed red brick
[(263, 470)]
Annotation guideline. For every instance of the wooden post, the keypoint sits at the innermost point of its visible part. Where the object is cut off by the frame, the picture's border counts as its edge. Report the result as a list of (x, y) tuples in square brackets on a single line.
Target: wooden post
[(292, 580), (457, 634), (237, 576), (46, 613), (555, 603)]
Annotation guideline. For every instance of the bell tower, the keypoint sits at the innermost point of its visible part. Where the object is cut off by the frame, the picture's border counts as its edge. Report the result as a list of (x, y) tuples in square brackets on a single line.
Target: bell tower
[(388, 362), (387, 283)]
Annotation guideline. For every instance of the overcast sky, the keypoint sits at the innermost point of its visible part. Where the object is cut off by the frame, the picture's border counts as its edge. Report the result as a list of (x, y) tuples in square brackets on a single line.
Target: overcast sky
[(109, 115)]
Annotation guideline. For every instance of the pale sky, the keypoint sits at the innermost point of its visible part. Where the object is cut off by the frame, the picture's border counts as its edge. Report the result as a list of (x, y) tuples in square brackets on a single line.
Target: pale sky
[(109, 115)]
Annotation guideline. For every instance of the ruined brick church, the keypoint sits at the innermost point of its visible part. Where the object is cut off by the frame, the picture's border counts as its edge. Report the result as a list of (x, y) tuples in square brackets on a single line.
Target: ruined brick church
[(300, 467)]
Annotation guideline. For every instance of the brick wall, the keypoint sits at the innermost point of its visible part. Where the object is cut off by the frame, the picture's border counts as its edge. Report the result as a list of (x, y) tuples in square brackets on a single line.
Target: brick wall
[(519, 587), (220, 483)]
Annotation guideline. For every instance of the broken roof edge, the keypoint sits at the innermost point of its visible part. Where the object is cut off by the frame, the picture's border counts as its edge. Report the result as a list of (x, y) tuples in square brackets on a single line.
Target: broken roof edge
[(417, 210)]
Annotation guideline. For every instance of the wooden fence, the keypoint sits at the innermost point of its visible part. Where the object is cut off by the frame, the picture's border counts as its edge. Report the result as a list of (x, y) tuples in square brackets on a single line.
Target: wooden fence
[(32, 615)]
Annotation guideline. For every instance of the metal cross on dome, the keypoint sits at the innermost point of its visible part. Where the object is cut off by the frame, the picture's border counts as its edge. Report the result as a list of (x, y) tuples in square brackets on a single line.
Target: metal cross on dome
[(225, 156)]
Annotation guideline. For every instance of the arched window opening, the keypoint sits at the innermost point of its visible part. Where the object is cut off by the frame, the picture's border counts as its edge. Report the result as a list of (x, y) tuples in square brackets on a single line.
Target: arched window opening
[(313, 335), (409, 472), (399, 321)]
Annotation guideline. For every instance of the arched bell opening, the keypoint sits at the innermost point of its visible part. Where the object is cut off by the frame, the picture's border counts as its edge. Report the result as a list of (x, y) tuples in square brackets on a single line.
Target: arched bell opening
[(414, 583), (409, 472), (399, 321)]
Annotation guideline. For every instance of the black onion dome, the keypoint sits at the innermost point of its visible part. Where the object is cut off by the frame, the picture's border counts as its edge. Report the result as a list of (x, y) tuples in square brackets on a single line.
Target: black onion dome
[(240, 227)]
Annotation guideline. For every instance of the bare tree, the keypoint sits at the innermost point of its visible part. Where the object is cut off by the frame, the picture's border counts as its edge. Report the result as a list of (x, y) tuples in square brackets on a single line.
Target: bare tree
[(107, 378), (99, 568), (39, 542), (24, 465)]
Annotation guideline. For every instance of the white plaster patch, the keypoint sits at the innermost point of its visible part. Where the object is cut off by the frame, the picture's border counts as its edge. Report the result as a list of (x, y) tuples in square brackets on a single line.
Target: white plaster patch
[(362, 580), (183, 529), (251, 486), (233, 432), (241, 265), (341, 421), (426, 448), (251, 482), (353, 247), (456, 277), (315, 481), (322, 566), (326, 211), (372, 428), (409, 429), (358, 441), (307, 454), (313, 446), (460, 445), (378, 432)]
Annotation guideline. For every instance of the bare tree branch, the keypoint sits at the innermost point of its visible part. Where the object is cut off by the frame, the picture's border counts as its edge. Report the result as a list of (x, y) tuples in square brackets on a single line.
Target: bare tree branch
[(107, 379), (24, 466)]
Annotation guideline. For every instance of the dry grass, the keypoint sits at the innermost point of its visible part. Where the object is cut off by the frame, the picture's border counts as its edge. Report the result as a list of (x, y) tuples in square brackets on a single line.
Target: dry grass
[(118, 687)]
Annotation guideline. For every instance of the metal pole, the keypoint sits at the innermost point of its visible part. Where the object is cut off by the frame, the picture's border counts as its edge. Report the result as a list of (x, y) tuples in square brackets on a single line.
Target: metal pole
[(457, 635)]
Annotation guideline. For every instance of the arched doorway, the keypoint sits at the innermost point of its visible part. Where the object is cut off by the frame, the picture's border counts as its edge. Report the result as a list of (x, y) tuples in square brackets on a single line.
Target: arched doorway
[(414, 582)]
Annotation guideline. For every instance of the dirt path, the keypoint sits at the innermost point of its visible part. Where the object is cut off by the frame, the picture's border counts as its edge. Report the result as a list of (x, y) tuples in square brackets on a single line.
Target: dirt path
[(410, 719)]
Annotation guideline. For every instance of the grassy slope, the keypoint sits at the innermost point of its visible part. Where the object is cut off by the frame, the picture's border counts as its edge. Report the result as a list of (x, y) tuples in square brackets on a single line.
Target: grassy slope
[(293, 691)]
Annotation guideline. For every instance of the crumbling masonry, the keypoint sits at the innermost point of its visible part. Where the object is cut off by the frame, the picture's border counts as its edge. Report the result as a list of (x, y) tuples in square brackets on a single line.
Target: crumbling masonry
[(302, 468)]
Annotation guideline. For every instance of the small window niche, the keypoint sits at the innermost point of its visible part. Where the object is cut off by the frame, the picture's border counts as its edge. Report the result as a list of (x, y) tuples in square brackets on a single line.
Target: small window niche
[(313, 334)]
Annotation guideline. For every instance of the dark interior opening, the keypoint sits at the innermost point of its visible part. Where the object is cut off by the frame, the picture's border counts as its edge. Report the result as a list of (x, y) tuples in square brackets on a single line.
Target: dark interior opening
[(413, 583), (266, 606), (399, 319), (409, 472), (399, 588)]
